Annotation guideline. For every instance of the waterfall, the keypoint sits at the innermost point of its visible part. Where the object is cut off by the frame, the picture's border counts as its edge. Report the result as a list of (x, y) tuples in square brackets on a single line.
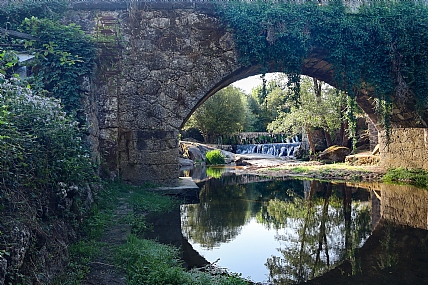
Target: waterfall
[(277, 149)]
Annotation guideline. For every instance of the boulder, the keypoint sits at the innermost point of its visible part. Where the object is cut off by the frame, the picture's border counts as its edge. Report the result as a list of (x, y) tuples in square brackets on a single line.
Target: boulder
[(239, 161), (229, 157), (195, 154), (335, 153), (185, 162)]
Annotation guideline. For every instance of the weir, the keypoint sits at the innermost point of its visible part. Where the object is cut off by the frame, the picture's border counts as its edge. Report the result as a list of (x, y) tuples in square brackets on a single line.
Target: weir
[(276, 149)]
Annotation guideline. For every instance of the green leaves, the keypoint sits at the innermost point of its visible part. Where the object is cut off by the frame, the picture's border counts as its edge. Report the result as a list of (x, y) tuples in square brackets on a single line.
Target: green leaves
[(40, 146), (222, 114), (215, 157), (64, 54), (380, 47)]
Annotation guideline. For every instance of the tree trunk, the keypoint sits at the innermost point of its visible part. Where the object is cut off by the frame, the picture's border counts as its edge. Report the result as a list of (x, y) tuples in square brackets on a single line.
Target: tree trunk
[(310, 140), (328, 138)]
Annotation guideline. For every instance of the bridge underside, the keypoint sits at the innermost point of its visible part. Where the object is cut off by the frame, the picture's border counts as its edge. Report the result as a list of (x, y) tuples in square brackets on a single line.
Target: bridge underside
[(173, 56)]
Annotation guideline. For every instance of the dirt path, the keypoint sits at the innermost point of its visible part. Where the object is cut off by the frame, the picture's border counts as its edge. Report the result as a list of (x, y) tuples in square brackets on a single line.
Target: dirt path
[(102, 268)]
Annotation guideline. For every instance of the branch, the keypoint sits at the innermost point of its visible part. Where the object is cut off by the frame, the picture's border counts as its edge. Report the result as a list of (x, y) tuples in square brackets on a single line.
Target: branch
[(18, 34)]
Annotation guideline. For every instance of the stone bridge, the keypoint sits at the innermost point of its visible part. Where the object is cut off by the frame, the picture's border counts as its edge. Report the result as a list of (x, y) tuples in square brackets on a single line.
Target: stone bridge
[(166, 59)]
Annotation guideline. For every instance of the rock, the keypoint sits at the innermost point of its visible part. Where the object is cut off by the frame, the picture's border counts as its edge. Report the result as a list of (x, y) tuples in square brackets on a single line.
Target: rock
[(301, 153), (359, 160), (318, 139), (229, 157), (185, 162), (239, 161), (195, 154), (20, 238), (335, 153)]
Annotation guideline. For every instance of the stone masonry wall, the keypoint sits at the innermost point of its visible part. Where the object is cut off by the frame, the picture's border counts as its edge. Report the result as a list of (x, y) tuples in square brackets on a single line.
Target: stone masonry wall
[(408, 147), (175, 54)]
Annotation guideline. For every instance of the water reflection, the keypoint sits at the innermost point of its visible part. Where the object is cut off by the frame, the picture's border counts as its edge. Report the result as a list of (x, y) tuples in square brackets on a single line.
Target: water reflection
[(312, 226)]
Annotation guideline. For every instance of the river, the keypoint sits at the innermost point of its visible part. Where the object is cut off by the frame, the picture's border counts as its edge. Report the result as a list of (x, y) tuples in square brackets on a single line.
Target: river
[(301, 231)]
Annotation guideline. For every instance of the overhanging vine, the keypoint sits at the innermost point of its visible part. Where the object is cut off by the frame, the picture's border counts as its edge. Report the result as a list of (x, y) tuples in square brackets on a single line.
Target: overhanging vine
[(380, 47)]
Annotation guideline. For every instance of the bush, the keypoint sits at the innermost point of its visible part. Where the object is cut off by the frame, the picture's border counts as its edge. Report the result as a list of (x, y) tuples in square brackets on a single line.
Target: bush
[(40, 145), (215, 157)]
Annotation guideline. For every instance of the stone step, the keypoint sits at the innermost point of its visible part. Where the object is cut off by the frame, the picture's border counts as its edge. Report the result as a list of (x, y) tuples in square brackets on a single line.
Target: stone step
[(366, 159)]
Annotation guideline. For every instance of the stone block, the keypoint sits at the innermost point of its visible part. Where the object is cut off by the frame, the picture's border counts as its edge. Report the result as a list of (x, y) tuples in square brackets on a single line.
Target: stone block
[(405, 149)]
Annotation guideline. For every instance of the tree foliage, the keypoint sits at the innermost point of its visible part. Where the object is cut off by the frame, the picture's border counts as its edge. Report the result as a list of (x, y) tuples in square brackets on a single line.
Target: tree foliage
[(381, 47), (13, 13), (63, 53), (270, 99), (312, 111), (224, 113), (40, 145)]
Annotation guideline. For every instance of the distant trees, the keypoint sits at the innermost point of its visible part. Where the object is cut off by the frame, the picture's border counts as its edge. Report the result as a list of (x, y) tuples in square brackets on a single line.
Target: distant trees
[(319, 106), (266, 100), (275, 107), (224, 113)]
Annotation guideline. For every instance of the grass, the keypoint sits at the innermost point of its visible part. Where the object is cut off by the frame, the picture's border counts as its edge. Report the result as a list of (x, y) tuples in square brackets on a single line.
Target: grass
[(148, 262), (144, 261), (416, 177)]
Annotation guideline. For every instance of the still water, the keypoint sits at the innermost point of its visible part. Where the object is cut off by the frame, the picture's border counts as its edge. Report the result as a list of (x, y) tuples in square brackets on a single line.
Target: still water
[(282, 232)]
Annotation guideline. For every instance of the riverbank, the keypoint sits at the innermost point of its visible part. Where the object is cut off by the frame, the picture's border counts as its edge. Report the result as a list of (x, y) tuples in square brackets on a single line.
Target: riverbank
[(116, 247), (270, 166)]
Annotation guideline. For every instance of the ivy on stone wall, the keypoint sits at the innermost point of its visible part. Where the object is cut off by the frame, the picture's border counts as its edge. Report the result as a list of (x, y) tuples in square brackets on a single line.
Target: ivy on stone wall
[(379, 47), (64, 53), (13, 12)]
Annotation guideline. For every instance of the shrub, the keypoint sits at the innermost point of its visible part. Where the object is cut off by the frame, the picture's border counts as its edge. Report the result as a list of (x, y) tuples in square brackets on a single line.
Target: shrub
[(40, 145), (215, 157)]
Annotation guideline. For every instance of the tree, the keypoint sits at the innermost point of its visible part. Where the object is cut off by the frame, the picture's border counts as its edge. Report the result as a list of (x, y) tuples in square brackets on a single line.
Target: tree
[(269, 99), (320, 106), (224, 113)]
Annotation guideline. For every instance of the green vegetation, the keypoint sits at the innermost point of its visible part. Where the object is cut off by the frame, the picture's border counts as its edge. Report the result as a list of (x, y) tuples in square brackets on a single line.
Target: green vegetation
[(222, 114), (380, 48), (215, 172), (148, 262), (64, 54), (14, 12), (40, 145), (145, 261), (417, 177), (215, 157), (267, 101), (319, 106), (46, 172)]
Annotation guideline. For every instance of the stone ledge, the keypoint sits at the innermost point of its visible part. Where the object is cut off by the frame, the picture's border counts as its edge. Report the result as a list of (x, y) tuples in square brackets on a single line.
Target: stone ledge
[(185, 186), (358, 160)]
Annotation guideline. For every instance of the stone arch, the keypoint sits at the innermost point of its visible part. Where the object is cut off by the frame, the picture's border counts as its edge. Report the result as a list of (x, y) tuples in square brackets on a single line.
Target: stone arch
[(174, 56)]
